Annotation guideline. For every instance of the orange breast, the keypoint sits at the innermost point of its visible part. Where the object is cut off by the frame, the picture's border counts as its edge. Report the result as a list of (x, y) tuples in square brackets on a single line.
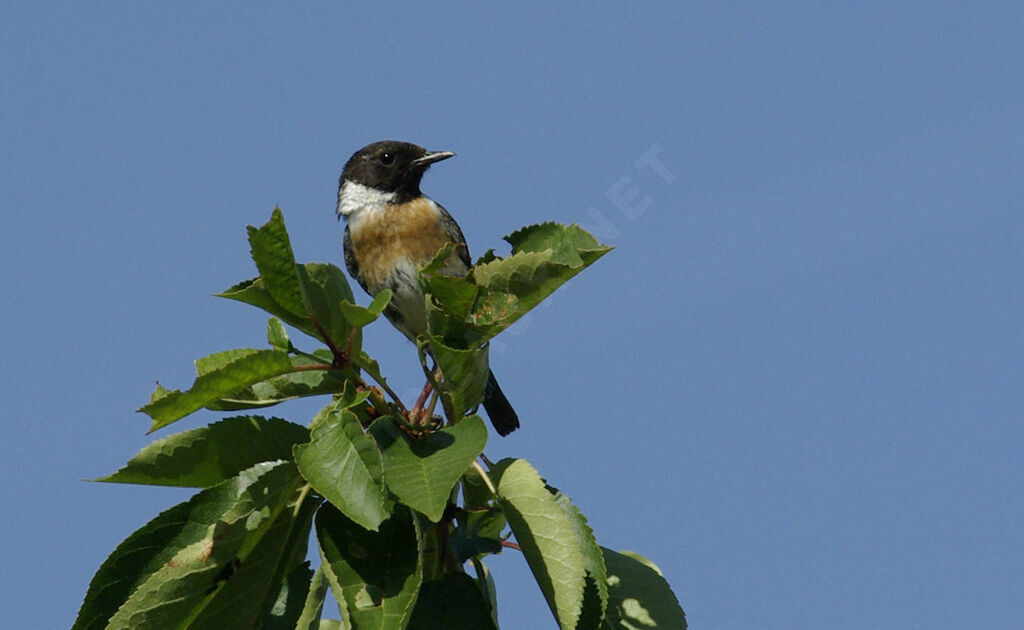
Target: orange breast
[(404, 233)]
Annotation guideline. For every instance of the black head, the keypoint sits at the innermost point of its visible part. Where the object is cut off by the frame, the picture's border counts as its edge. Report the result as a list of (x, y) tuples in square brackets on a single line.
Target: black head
[(392, 167)]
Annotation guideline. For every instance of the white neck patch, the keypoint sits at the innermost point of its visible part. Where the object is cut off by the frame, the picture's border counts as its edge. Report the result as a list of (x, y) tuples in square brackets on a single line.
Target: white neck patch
[(354, 198)]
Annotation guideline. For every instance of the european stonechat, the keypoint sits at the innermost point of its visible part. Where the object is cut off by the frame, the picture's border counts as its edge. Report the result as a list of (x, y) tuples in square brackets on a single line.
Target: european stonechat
[(393, 231)]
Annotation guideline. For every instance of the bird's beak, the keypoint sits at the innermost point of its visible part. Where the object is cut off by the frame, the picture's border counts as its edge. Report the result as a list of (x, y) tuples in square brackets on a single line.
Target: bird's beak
[(430, 158)]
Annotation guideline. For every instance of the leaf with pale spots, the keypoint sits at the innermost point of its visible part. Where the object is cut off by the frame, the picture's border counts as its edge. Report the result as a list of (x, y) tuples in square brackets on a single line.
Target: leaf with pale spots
[(547, 536), (466, 312), (375, 576), (595, 592), (277, 336), (638, 595), (178, 566)]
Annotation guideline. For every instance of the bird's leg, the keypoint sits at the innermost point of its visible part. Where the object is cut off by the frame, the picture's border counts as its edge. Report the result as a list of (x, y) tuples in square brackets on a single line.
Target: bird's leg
[(418, 415), (433, 403), (417, 411)]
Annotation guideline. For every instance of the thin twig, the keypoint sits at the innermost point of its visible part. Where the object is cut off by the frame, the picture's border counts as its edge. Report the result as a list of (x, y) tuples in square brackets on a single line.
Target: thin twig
[(302, 353), (338, 354), (313, 366), (302, 497), (383, 385), (483, 475)]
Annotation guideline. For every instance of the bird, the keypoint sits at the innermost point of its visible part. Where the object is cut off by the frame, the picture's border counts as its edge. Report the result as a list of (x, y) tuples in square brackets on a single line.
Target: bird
[(392, 230)]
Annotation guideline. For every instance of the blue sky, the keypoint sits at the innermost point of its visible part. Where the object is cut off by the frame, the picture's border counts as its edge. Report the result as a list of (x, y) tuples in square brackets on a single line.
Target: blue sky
[(795, 384)]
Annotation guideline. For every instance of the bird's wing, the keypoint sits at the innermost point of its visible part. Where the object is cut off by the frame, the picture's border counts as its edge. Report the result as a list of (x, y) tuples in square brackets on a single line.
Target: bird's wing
[(454, 232), (350, 260)]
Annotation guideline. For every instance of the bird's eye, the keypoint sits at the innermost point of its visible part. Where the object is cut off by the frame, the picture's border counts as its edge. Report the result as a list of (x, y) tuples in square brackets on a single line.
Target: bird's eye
[(387, 159)]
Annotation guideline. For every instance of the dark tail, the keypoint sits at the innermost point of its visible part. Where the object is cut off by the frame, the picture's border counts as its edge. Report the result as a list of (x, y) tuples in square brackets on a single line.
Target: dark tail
[(499, 410)]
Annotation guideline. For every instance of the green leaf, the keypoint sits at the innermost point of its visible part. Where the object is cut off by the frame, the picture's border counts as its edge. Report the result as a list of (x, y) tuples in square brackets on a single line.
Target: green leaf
[(377, 574), (342, 463), (455, 293), (159, 392), (481, 525), (333, 581), (466, 312), (465, 544), (277, 336), (272, 253), (367, 364), (475, 492), (349, 398), (638, 595), (595, 593), (465, 376), (314, 604), (486, 582), (176, 565), (298, 384), (455, 601), (217, 360), (358, 316), (207, 456), (255, 293), (323, 288), (544, 257), (272, 579), (215, 384), (289, 603), (422, 472), (546, 535), (568, 244), (305, 296)]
